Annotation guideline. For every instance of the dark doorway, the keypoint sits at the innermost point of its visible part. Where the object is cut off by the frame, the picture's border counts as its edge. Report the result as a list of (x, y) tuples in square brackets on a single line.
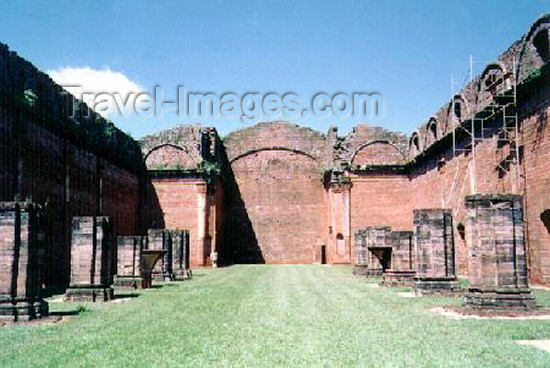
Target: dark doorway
[(323, 254)]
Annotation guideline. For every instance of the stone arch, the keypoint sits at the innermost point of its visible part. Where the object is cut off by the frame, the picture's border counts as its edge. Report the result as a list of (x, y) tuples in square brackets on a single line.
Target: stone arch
[(432, 130), (250, 152), (535, 50), (169, 156), (459, 107), (371, 152), (493, 81)]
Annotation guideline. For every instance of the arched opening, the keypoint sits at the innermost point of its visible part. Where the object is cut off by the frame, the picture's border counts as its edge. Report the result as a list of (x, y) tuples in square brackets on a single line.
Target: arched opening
[(414, 144), (540, 41), (457, 108), (432, 131)]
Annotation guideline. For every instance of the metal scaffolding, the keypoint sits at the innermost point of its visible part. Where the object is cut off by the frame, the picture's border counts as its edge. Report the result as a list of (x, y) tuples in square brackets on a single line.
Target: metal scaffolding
[(497, 122)]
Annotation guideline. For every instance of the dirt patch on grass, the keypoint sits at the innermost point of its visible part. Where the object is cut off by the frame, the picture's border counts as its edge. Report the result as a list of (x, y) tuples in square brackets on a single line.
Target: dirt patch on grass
[(539, 344), (407, 294), (473, 313), (49, 320)]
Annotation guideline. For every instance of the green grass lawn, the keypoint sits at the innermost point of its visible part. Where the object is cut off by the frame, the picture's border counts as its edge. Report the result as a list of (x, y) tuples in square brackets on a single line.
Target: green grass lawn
[(272, 316)]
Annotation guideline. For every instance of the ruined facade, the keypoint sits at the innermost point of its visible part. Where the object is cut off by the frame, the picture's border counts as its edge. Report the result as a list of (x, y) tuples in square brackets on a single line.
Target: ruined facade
[(279, 193)]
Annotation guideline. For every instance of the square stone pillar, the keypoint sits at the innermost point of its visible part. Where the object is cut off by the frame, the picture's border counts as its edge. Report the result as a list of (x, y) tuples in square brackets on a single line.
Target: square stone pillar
[(21, 261), (180, 254), (402, 270), (128, 261), (92, 256), (360, 244), (496, 252), (434, 250), (161, 239)]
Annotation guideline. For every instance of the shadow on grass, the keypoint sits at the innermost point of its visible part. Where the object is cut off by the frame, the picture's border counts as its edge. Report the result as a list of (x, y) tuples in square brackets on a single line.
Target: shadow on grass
[(73, 312), (127, 295)]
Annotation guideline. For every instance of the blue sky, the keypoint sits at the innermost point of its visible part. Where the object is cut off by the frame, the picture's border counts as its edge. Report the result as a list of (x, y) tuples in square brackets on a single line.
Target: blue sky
[(405, 50)]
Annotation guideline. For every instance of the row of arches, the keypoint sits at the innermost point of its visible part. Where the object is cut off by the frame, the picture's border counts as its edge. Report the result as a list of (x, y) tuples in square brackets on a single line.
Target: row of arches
[(530, 53)]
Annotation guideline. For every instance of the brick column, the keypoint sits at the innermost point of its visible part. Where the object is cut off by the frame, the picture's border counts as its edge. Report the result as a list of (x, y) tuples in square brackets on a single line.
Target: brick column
[(128, 261), (434, 250), (496, 252), (339, 249), (21, 267), (92, 255), (160, 239), (203, 242), (402, 270)]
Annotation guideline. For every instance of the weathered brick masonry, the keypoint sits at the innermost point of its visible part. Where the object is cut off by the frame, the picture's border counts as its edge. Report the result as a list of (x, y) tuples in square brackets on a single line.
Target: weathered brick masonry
[(279, 193), (21, 261), (93, 256), (128, 274), (79, 166)]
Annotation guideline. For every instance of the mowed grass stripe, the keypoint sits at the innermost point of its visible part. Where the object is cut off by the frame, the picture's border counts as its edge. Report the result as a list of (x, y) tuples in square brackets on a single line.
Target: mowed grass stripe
[(288, 315)]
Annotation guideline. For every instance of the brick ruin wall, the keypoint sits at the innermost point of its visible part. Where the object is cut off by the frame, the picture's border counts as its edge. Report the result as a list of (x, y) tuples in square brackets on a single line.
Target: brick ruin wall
[(40, 160), (275, 203), (283, 191), (439, 179)]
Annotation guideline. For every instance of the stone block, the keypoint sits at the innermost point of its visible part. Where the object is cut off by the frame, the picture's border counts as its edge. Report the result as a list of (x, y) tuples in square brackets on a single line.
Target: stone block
[(402, 270), (128, 261), (434, 251), (21, 261), (180, 254), (92, 257), (161, 239), (497, 256), (372, 250)]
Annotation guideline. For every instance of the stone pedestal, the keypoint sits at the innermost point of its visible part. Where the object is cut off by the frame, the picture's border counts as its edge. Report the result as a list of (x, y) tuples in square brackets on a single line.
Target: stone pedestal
[(402, 270), (149, 258), (180, 254), (21, 266), (128, 262), (496, 252), (360, 244), (92, 256), (397, 278), (434, 252), (372, 251), (160, 239)]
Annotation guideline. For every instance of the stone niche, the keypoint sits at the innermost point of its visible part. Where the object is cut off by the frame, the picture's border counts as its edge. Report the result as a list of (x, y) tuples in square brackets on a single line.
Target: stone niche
[(160, 239), (434, 252), (496, 252), (92, 256), (402, 270), (21, 261), (372, 250), (128, 261)]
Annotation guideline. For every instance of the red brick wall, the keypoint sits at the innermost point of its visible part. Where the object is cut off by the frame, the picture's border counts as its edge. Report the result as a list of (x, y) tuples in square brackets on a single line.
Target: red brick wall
[(536, 139), (179, 200), (443, 181), (282, 195), (53, 171)]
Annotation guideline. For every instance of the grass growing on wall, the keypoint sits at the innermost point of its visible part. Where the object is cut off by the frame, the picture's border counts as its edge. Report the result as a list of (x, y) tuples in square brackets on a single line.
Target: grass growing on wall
[(273, 316)]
